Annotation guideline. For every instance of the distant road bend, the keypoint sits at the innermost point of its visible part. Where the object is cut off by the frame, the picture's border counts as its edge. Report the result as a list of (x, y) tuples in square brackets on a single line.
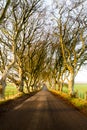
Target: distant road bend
[(43, 111)]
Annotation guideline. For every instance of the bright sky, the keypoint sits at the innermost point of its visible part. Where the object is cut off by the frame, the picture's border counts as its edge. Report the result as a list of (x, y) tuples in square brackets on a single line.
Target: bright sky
[(81, 76)]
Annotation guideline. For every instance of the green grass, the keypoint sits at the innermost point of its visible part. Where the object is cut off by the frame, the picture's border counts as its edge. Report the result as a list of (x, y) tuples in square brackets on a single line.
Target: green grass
[(10, 91), (81, 88)]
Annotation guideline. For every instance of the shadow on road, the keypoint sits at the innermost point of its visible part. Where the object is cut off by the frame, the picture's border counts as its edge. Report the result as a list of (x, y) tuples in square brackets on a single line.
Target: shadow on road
[(43, 111), (10, 104)]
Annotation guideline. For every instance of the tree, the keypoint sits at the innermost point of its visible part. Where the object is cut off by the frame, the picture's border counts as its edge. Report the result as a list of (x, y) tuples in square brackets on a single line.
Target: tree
[(71, 31), (17, 14), (3, 10), (28, 41)]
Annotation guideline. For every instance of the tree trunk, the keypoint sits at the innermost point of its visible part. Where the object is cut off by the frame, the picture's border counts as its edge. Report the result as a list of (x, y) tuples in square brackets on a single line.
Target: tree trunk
[(2, 88), (71, 84), (3, 79), (60, 86), (3, 84), (21, 86)]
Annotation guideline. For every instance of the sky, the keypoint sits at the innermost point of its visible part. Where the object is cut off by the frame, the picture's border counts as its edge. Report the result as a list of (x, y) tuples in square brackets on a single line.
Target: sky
[(81, 76)]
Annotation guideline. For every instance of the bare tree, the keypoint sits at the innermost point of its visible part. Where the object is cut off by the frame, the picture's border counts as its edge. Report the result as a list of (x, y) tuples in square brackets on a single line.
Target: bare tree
[(71, 32), (3, 9), (12, 34)]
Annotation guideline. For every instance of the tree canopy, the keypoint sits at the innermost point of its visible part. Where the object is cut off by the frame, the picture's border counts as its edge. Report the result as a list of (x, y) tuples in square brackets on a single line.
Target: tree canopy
[(39, 46)]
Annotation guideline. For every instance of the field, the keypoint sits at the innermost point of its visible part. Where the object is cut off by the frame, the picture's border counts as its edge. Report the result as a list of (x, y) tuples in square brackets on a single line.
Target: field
[(10, 91), (81, 90)]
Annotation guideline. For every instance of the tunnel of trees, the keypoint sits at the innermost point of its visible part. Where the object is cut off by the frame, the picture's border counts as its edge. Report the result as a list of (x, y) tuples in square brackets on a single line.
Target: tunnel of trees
[(40, 45)]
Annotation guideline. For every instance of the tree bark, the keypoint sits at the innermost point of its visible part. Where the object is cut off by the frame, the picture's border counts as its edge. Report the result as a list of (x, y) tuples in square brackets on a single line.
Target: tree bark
[(71, 84), (21, 86), (3, 79), (2, 88), (60, 86)]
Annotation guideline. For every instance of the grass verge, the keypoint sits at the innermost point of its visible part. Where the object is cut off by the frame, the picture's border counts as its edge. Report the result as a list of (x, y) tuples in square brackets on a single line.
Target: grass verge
[(79, 104)]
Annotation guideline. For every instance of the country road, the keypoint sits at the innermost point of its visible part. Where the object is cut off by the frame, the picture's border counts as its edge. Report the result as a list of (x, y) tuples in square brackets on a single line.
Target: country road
[(43, 111)]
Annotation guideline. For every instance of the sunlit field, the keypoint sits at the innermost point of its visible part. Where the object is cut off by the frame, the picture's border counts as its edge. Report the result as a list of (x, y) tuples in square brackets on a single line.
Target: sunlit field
[(10, 91), (80, 88)]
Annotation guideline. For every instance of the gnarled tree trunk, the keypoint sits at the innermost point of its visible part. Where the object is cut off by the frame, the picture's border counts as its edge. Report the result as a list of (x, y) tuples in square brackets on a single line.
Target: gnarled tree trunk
[(71, 84), (2, 88), (3, 79), (60, 86)]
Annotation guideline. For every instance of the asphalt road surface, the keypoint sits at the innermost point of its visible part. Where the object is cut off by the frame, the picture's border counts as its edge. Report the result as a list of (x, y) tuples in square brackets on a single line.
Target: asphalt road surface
[(43, 111)]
